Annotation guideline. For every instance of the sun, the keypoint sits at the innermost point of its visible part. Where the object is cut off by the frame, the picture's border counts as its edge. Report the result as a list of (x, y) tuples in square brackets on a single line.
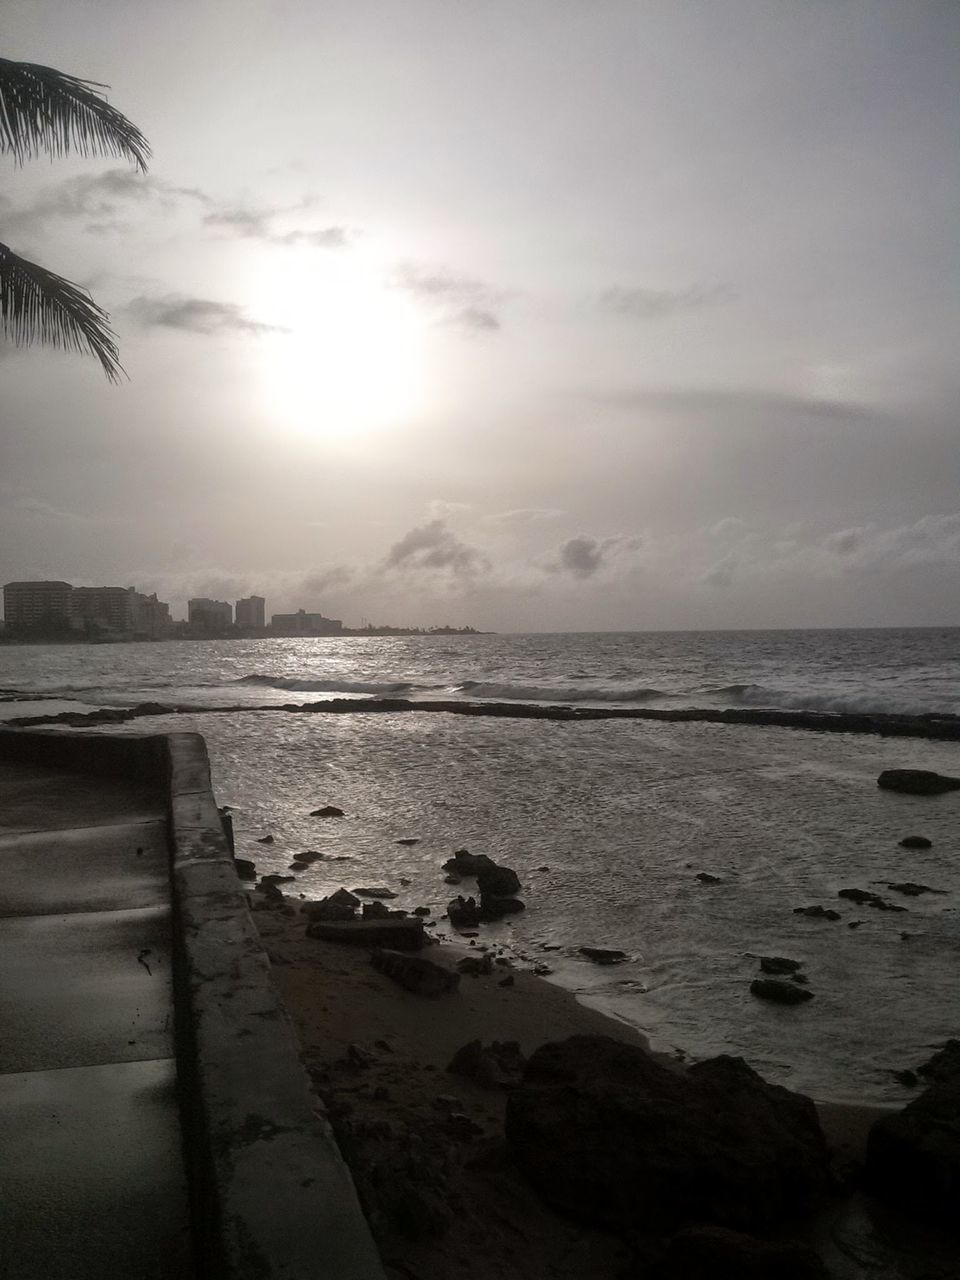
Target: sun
[(346, 352)]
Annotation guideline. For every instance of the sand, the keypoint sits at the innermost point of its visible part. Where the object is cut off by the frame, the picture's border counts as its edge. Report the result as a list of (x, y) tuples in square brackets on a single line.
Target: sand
[(426, 1147)]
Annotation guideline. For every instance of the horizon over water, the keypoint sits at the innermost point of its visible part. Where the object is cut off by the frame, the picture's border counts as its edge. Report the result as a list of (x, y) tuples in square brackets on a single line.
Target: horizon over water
[(608, 823)]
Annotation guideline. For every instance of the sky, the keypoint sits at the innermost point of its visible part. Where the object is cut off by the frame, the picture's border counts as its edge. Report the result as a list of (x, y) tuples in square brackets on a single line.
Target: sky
[(537, 315)]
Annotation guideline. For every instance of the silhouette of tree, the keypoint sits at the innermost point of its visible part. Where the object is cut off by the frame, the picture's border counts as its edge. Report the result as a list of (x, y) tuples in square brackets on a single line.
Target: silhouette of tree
[(46, 112)]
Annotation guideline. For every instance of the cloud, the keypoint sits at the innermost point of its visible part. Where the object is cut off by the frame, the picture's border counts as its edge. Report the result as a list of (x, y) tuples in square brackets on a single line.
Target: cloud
[(255, 224), (525, 515), (583, 557), (245, 222), (195, 315), (722, 573), (725, 404), (334, 237), (436, 546), (460, 301), (106, 198), (727, 527), (654, 304)]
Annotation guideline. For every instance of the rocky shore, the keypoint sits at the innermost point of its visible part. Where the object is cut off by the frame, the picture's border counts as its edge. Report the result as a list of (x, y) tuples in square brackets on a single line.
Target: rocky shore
[(496, 1127)]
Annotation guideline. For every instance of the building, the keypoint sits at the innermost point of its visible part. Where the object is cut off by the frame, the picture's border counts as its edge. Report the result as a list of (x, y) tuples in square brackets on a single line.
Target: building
[(151, 617), (250, 612), (103, 609), (209, 615), (305, 624), (37, 606)]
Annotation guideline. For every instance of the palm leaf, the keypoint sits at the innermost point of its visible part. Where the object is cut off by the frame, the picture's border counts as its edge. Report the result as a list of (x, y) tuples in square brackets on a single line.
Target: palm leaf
[(43, 110), (38, 306)]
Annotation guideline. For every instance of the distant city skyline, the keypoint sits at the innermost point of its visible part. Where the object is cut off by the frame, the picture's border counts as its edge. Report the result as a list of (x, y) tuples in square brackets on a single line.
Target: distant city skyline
[(533, 317)]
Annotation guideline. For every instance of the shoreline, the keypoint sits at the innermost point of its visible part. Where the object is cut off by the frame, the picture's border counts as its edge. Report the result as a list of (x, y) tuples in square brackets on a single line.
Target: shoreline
[(377, 1055)]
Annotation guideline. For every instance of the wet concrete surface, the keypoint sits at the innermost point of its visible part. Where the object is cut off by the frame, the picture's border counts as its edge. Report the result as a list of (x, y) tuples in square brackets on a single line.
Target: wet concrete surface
[(90, 1149)]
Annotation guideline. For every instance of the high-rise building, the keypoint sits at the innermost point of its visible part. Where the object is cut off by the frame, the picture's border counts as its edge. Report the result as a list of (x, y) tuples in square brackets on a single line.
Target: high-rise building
[(209, 615), (151, 617), (103, 609), (37, 606), (305, 624), (250, 611)]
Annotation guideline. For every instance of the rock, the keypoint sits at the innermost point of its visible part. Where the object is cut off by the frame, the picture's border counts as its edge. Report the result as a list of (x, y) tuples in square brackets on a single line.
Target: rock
[(778, 991), (497, 882), (270, 891), (463, 911), (916, 842), (913, 1156), (309, 856), (414, 973), (400, 935), (265, 840), (859, 895), (341, 905), (494, 1066), (405, 882), (273, 878), (854, 924), (464, 863), (461, 1126), (452, 879), (706, 878), (508, 981), (909, 1079), (881, 904), (603, 955), (817, 913), (713, 1253), (495, 908), (421, 911), (610, 1136), (409, 840), (917, 782), (542, 971), (912, 890), (779, 964), (374, 893), (944, 1065), (328, 811), (475, 965), (246, 869), (799, 977), (379, 911)]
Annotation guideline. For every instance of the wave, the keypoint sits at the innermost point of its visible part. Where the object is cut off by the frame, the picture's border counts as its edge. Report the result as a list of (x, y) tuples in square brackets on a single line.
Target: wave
[(864, 702), (329, 684), (547, 693)]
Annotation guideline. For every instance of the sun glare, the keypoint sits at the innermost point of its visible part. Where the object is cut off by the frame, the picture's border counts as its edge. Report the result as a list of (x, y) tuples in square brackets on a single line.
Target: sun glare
[(346, 354)]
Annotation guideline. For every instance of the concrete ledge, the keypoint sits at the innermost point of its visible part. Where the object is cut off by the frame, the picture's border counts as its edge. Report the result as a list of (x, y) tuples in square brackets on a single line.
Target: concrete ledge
[(271, 1197)]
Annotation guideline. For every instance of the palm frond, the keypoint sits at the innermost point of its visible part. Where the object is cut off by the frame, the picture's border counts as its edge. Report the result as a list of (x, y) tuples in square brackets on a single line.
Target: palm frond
[(38, 306), (43, 110)]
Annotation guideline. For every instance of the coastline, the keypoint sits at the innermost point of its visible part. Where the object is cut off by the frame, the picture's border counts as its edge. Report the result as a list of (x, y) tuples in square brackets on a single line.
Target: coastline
[(378, 1055)]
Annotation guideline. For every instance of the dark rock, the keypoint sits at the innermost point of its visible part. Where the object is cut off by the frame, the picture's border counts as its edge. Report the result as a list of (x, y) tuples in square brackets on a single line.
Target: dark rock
[(909, 1079), (452, 879), (859, 895), (916, 842), (713, 1253), (400, 935), (464, 863), (912, 890), (405, 882), (817, 913), (328, 811), (508, 981), (603, 955), (421, 911), (380, 911), (276, 879), (854, 924), (706, 878), (246, 869), (917, 782), (609, 1135), (475, 966), (265, 840), (778, 991), (494, 1066), (913, 1156), (779, 964), (271, 891), (310, 855), (341, 905), (881, 904), (799, 977), (409, 840), (495, 908), (374, 893), (944, 1065), (498, 882), (414, 973), (463, 911)]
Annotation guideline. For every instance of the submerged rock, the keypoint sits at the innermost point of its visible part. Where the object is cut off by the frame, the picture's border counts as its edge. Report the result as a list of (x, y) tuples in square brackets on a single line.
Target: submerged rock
[(603, 955), (859, 896), (375, 893), (498, 882), (327, 811), (265, 840), (778, 991), (706, 878), (916, 842), (779, 964), (465, 863), (817, 913), (494, 908), (610, 1136), (917, 782), (912, 890)]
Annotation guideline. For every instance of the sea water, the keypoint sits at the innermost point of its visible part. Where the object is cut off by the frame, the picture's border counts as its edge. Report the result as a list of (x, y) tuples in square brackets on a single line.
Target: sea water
[(608, 823)]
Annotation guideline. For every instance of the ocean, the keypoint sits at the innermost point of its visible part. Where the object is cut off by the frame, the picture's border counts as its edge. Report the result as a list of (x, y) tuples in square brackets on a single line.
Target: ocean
[(608, 822)]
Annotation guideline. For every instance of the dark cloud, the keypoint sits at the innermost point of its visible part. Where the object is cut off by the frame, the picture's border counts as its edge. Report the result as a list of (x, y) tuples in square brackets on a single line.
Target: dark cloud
[(255, 224), (582, 557), (436, 546), (654, 304), (195, 315), (459, 300), (105, 198)]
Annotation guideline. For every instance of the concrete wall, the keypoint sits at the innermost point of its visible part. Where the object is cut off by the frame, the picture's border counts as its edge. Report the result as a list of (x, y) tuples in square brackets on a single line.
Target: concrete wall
[(272, 1198)]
